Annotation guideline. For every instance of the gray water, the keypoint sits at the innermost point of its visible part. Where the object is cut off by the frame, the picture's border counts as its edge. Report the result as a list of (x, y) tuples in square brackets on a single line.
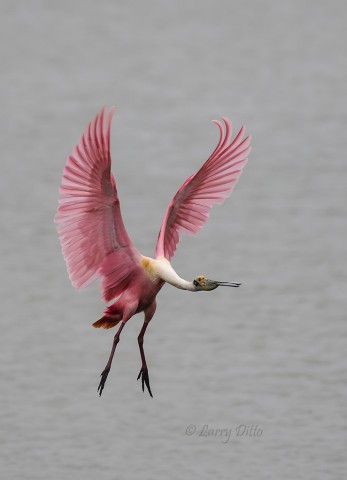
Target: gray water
[(271, 354)]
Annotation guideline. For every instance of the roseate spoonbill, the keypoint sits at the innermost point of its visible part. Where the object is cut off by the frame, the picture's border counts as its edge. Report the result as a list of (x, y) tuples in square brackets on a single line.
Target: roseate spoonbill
[(95, 242)]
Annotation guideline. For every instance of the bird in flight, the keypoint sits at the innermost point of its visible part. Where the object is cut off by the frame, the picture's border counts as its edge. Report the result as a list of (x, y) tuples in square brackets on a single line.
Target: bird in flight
[(95, 243)]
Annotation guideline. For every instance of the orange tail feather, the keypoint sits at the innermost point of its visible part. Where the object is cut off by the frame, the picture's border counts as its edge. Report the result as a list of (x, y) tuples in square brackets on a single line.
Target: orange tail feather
[(106, 322)]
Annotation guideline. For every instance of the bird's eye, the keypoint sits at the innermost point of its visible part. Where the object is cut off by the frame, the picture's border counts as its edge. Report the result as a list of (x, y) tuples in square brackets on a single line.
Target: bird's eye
[(195, 283)]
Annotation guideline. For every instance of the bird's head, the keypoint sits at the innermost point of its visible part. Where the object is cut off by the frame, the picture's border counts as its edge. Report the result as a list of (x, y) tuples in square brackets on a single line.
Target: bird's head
[(203, 283)]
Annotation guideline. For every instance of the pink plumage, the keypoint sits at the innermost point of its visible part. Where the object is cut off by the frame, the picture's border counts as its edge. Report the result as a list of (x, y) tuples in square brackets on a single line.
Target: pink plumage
[(211, 185), (95, 242), (89, 219)]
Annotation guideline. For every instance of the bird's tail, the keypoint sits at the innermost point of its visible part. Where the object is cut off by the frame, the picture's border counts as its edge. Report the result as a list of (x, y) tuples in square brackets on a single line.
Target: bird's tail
[(112, 316), (106, 322)]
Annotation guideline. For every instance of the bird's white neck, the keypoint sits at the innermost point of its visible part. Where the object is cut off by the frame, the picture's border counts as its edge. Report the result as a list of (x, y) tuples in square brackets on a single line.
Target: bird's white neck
[(161, 268)]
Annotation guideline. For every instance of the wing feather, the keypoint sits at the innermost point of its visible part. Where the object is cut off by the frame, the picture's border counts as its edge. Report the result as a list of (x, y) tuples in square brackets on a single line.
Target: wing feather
[(90, 225), (189, 209)]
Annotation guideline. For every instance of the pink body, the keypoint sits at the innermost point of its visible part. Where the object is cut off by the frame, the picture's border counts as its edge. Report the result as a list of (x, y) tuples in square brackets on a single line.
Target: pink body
[(139, 296)]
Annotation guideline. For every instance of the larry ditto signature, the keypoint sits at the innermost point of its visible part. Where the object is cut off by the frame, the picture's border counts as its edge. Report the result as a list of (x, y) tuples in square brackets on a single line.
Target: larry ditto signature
[(224, 433)]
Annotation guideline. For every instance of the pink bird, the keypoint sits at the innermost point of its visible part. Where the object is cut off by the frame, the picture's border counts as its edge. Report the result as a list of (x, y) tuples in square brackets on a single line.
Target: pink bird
[(95, 242)]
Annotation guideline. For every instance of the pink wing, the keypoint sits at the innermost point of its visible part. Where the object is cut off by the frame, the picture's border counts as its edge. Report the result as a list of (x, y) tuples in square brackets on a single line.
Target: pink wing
[(212, 184), (91, 230)]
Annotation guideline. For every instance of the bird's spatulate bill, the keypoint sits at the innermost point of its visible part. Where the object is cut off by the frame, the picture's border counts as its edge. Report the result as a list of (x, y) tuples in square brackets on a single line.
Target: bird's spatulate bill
[(227, 284)]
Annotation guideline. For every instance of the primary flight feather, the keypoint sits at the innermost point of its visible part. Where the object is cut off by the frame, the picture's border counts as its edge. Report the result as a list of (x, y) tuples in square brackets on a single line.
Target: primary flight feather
[(95, 242)]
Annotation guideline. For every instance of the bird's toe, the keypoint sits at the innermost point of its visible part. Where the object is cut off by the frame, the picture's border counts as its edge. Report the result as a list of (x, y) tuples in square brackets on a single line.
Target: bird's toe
[(103, 375), (145, 380)]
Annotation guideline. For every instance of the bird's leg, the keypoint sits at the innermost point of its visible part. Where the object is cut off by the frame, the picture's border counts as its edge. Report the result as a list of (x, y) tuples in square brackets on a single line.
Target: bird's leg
[(144, 370), (149, 312), (107, 369)]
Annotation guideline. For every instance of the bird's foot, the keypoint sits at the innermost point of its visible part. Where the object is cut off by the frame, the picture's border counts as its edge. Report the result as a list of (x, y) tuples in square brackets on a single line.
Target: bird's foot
[(145, 379), (103, 376)]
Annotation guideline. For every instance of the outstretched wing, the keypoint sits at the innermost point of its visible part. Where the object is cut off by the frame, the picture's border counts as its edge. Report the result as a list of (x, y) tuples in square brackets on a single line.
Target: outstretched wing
[(212, 184), (90, 226)]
